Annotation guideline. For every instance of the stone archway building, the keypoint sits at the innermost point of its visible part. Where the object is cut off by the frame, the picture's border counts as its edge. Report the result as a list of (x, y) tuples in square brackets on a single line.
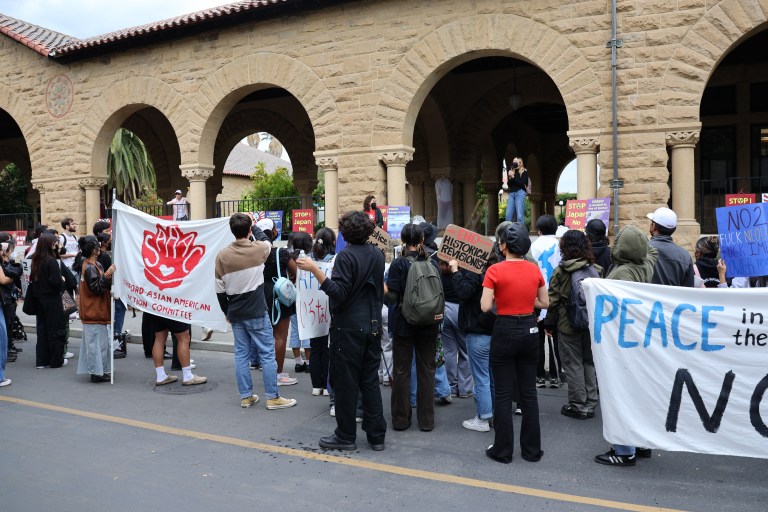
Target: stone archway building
[(361, 86)]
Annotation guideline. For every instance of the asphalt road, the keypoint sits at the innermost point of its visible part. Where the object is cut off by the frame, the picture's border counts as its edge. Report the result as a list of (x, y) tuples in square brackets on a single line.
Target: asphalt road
[(70, 445)]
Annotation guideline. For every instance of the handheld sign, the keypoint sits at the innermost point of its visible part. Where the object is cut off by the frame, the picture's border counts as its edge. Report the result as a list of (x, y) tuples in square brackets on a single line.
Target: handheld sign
[(470, 249), (379, 238), (304, 221), (313, 314), (743, 233), (738, 199), (579, 212)]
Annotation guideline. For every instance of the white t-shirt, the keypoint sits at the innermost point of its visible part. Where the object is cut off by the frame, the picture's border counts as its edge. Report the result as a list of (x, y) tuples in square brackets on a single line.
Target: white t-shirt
[(70, 242)]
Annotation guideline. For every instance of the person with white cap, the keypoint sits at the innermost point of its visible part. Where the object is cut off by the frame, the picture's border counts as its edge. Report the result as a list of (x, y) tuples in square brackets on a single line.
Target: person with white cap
[(179, 203), (674, 266)]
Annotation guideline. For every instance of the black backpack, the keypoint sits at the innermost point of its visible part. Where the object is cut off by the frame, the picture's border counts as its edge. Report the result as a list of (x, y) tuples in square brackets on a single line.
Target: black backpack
[(577, 303)]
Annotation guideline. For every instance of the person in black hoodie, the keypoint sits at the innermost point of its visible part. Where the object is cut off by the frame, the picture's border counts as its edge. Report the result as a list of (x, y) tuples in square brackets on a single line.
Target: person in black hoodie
[(51, 321), (9, 293), (596, 232)]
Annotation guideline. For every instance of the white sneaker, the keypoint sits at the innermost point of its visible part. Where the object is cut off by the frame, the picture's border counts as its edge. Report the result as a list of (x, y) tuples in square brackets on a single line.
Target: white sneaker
[(333, 411), (207, 334), (284, 380), (65, 363), (317, 391), (69, 355), (5, 382), (476, 424)]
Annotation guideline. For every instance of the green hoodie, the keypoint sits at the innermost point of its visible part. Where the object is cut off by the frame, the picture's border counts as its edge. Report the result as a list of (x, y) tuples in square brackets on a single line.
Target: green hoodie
[(560, 293), (633, 258)]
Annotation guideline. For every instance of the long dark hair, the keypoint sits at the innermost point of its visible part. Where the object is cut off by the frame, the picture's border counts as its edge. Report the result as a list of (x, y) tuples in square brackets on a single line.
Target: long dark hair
[(575, 245), (367, 202), (325, 243), (43, 253)]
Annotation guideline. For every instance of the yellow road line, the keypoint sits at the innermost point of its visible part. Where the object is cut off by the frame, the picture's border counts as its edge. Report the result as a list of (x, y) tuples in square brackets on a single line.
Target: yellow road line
[(363, 464)]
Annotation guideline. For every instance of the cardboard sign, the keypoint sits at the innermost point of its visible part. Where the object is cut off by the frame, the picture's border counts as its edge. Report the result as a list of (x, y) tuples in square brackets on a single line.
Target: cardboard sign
[(378, 238), (579, 212), (470, 249), (737, 199), (303, 221), (743, 233)]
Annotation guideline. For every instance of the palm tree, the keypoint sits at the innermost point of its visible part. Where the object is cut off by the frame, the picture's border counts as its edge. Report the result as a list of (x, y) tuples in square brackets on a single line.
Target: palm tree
[(129, 168)]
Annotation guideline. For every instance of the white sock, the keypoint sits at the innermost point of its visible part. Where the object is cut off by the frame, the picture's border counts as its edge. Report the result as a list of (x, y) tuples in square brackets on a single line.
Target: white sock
[(187, 373), (298, 359), (161, 375)]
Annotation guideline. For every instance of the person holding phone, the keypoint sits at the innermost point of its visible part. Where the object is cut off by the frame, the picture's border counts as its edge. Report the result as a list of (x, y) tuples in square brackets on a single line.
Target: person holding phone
[(517, 183)]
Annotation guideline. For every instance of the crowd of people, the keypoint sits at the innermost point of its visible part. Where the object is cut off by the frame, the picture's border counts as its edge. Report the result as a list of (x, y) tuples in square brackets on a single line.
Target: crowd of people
[(495, 337)]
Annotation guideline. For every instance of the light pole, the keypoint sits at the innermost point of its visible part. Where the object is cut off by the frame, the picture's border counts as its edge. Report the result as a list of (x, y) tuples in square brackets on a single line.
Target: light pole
[(561, 203)]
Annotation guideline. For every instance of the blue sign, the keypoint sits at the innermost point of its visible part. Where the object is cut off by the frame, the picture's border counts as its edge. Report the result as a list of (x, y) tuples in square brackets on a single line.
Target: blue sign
[(397, 217), (277, 218), (743, 233)]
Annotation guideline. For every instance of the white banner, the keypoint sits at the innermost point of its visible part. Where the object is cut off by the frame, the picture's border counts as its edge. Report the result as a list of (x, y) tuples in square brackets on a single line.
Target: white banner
[(312, 313), (681, 369), (166, 267)]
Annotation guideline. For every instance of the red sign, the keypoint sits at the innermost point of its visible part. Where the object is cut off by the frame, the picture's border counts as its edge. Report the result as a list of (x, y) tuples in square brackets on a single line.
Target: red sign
[(169, 255), (576, 214), (303, 221), (739, 199), (384, 214), (19, 237)]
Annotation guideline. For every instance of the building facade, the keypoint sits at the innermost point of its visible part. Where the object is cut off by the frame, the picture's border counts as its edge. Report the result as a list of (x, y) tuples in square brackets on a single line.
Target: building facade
[(388, 96)]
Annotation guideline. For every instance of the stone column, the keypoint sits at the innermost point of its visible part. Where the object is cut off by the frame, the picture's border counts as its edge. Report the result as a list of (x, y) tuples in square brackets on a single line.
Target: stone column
[(469, 187), (586, 150), (305, 188), (396, 162), (417, 188), (492, 189), (330, 169), (535, 200), (40, 187), (197, 174), (683, 144), (92, 187)]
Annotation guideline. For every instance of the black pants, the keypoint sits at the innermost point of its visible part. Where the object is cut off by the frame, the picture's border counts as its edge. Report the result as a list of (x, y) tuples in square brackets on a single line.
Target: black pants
[(514, 352), (318, 363), (148, 339), (355, 356), (554, 355), (9, 312), (51, 332), (402, 357)]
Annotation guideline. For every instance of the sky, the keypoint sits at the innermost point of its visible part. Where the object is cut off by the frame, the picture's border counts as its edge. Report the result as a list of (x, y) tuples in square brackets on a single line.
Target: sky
[(87, 18)]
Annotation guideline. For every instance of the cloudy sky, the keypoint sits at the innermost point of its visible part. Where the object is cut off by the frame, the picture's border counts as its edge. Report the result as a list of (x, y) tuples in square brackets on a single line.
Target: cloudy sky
[(87, 18)]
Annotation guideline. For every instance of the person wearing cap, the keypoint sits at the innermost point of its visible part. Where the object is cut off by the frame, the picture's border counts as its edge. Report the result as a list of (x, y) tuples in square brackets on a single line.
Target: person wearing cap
[(516, 287), (596, 232), (179, 203), (674, 266)]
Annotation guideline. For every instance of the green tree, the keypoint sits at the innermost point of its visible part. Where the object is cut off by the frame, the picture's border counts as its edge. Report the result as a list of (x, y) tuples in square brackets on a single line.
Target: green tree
[(270, 185), (13, 191), (564, 197), (129, 168)]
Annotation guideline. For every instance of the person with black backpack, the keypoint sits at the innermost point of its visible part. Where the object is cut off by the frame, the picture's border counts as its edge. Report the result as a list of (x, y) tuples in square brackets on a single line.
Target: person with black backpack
[(416, 307), (568, 314)]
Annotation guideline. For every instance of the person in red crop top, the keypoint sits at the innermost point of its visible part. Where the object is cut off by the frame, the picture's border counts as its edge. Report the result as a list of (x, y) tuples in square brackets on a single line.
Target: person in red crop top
[(515, 287)]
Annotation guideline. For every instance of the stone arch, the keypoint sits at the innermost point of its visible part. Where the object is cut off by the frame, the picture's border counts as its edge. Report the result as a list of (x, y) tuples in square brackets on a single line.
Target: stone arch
[(435, 134), (703, 47), (482, 36), (247, 74), (120, 100), (20, 111)]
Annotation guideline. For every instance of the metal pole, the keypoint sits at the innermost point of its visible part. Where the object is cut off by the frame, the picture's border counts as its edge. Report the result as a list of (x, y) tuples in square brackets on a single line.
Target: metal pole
[(616, 183)]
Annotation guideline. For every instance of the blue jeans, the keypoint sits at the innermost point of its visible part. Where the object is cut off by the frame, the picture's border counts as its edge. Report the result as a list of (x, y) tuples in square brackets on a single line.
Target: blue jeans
[(442, 388), (455, 347), (516, 204), (621, 449), (294, 341), (255, 336), (3, 345), (119, 317), (479, 348)]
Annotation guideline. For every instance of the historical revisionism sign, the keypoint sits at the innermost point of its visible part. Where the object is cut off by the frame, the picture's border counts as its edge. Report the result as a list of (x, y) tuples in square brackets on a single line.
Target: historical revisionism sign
[(681, 369), (471, 250), (167, 268)]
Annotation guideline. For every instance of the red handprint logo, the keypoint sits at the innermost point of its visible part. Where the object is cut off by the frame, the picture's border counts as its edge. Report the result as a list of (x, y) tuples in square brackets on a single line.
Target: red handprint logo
[(169, 255)]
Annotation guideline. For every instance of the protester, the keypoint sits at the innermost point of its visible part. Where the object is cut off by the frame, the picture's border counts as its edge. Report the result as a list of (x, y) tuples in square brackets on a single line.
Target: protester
[(545, 252), (95, 313), (355, 292), (9, 293), (46, 278), (297, 242), (239, 289), (323, 249), (372, 210), (515, 287), (575, 345), (406, 338), (633, 259), (707, 270), (596, 232), (674, 266), (68, 241), (517, 183), (4, 281), (180, 204)]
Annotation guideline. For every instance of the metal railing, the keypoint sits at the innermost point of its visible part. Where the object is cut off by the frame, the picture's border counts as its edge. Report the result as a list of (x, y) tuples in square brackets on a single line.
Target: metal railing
[(18, 222), (712, 195), (283, 204)]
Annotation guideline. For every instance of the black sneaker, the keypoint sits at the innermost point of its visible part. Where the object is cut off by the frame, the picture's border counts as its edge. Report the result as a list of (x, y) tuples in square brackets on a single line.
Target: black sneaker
[(572, 412), (119, 354), (610, 458), (643, 453), (301, 368), (540, 382), (554, 383)]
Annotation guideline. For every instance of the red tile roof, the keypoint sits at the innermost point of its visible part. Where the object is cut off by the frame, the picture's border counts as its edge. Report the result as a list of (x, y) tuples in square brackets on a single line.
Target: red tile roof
[(40, 39), (242, 161)]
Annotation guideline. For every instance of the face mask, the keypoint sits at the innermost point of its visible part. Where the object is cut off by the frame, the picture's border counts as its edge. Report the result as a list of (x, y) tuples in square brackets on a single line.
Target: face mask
[(515, 165), (373, 206)]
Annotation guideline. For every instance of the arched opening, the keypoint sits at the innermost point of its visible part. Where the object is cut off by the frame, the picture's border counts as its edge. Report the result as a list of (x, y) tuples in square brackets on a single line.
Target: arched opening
[(732, 155), (19, 202), (482, 113)]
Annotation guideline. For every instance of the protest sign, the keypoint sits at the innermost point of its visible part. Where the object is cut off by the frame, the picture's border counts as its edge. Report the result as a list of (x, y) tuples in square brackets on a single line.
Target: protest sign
[(468, 248), (379, 238), (167, 268), (743, 233), (313, 315), (397, 217), (579, 212), (303, 221), (738, 199), (765, 197), (275, 215), (681, 369)]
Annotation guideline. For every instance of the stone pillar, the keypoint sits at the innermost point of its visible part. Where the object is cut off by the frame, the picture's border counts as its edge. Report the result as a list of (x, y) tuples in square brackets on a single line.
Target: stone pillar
[(469, 187), (305, 188), (417, 188), (683, 144), (535, 200), (40, 187), (330, 169), (197, 174), (586, 150), (396, 162), (92, 187), (492, 189)]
